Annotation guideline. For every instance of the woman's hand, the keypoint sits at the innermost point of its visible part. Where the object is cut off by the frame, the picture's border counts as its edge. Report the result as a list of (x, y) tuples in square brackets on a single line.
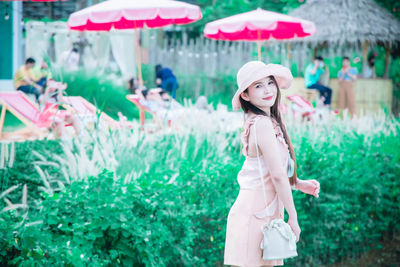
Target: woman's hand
[(310, 187), (295, 227)]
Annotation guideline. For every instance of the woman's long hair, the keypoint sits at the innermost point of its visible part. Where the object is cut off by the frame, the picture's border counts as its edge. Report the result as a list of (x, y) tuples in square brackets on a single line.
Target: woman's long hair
[(276, 115)]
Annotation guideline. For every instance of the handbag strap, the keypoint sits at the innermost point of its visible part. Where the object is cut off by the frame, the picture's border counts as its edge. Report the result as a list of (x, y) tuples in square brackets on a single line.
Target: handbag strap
[(259, 165)]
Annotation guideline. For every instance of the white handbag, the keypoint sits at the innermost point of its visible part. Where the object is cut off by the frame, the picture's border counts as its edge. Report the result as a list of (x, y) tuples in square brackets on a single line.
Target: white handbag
[(279, 241)]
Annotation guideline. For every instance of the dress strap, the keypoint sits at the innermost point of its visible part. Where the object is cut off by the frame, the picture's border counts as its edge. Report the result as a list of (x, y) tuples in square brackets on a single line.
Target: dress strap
[(246, 131)]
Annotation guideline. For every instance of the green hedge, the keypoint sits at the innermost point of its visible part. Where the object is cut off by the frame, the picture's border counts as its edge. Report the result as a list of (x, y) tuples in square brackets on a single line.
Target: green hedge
[(163, 200)]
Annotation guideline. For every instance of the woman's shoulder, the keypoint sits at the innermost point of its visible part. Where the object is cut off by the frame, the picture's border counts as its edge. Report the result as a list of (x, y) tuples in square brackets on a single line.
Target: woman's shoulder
[(264, 123), (261, 123)]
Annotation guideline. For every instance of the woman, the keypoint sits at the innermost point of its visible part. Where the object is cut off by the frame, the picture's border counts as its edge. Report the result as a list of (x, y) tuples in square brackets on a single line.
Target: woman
[(346, 95), (259, 96)]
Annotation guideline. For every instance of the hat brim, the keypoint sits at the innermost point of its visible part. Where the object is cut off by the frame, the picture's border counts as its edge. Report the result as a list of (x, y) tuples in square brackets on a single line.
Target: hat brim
[(282, 75)]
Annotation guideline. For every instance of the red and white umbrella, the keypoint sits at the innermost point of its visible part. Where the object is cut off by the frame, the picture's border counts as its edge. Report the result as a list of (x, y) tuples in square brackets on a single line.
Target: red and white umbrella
[(31, 0), (133, 14), (259, 25)]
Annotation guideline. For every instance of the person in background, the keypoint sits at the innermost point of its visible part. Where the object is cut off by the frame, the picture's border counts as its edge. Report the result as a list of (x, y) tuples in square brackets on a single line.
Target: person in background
[(166, 79), (26, 81), (70, 59), (42, 72), (132, 85), (346, 96), (311, 77), (52, 117), (369, 68)]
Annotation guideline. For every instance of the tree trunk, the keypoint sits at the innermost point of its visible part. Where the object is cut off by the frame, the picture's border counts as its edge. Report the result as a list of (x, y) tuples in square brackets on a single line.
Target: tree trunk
[(387, 60), (364, 56)]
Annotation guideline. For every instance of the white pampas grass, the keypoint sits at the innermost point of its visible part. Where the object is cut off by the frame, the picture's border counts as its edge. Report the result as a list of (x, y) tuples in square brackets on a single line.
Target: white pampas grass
[(9, 190)]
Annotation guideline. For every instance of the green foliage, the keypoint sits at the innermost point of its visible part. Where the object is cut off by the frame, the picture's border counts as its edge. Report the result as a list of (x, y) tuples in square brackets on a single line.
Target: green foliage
[(109, 224), (165, 198), (392, 6), (218, 90), (101, 91), (395, 75), (11, 123), (26, 158)]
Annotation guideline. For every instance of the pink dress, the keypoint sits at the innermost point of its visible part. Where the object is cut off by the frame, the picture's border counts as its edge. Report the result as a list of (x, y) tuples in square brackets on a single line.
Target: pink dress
[(243, 231)]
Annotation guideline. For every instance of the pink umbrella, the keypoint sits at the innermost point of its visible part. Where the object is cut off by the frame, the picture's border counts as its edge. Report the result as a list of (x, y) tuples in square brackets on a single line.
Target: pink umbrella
[(133, 14), (31, 0), (259, 25)]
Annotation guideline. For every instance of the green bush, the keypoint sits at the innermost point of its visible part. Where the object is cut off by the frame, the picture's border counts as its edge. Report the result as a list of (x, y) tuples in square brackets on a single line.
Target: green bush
[(101, 91), (162, 200)]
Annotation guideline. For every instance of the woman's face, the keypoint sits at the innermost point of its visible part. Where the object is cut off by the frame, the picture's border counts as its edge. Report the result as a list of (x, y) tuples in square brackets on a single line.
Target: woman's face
[(261, 93)]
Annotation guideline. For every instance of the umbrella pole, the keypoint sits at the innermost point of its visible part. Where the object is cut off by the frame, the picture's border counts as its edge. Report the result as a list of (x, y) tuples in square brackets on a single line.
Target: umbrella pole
[(259, 45), (138, 56), (259, 50)]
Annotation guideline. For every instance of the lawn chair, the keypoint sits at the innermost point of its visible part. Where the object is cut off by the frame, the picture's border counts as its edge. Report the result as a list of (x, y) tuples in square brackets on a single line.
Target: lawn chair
[(135, 99), (302, 106), (19, 104), (84, 109), (142, 109)]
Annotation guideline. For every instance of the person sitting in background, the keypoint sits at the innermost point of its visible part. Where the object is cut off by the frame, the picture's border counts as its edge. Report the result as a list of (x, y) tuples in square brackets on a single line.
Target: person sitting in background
[(132, 85), (171, 103), (311, 77), (346, 96), (26, 81), (157, 100), (166, 79), (160, 103), (42, 72), (51, 116)]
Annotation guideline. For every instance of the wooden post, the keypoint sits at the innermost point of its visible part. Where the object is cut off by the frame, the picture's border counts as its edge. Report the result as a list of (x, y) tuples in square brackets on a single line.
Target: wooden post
[(50, 13), (365, 56), (387, 60), (315, 52), (138, 57), (288, 51), (289, 56), (2, 117)]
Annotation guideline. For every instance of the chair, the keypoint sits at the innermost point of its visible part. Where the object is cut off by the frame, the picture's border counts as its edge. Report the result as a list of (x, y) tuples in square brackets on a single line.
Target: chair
[(303, 106), (19, 104), (82, 107), (135, 99), (309, 95)]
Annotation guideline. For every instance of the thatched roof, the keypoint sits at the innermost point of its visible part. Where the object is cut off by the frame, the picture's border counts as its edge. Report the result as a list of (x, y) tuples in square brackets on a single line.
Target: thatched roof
[(348, 21)]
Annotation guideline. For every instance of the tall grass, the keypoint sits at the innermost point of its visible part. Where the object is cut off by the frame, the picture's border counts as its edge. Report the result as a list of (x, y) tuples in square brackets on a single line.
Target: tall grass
[(136, 199)]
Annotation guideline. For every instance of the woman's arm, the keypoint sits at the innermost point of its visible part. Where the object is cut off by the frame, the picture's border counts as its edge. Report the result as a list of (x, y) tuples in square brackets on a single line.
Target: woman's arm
[(314, 69), (269, 147), (340, 75), (351, 75), (310, 187), (46, 95)]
